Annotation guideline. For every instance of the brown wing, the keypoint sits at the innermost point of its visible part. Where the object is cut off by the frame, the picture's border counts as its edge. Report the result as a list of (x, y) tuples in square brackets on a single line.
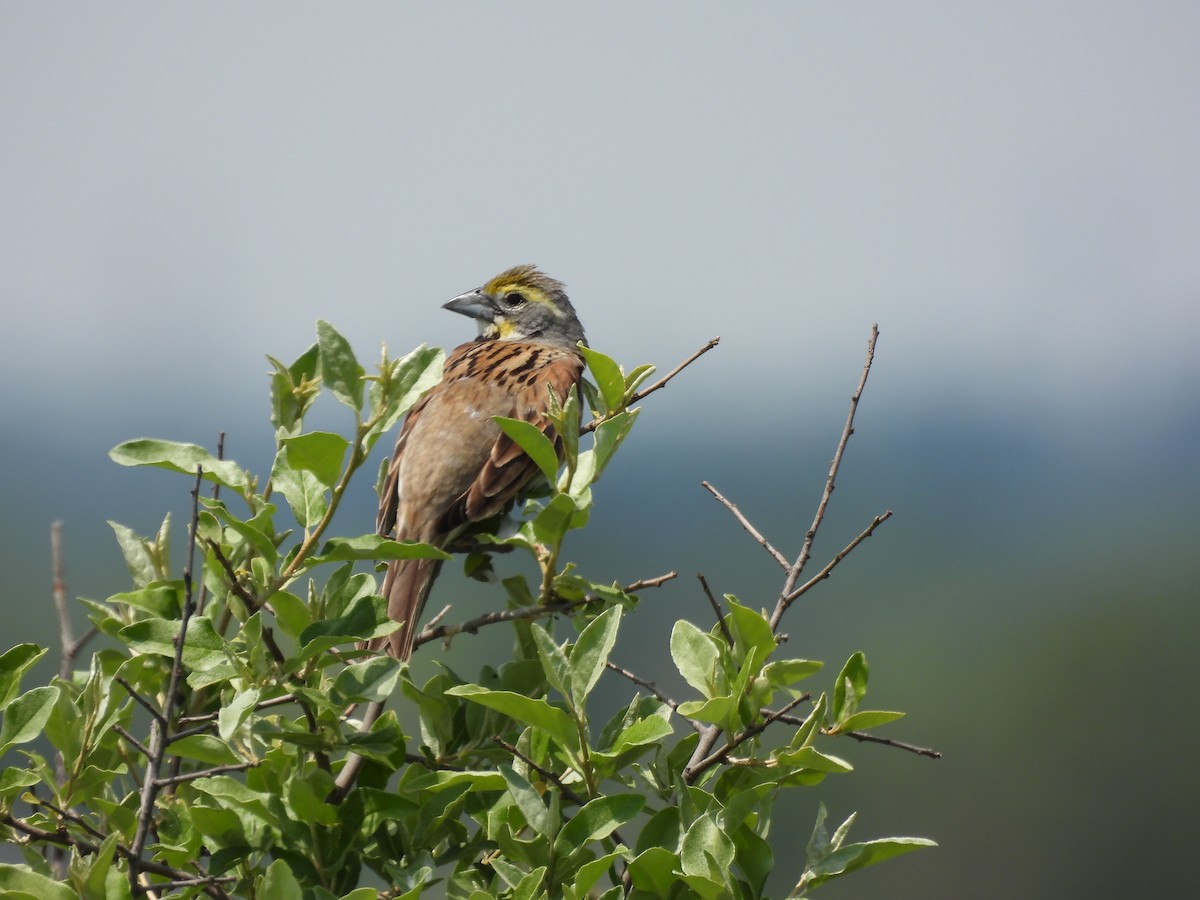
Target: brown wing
[(454, 466), (508, 470)]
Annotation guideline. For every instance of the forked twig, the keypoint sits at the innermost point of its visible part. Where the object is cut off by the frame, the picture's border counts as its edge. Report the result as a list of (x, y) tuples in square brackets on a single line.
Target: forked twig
[(797, 567), (658, 385)]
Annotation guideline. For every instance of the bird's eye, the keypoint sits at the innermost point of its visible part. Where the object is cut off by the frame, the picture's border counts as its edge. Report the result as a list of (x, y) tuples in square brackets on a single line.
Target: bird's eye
[(513, 299)]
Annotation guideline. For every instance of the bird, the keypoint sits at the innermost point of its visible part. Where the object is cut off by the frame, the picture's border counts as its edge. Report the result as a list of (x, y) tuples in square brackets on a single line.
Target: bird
[(453, 467)]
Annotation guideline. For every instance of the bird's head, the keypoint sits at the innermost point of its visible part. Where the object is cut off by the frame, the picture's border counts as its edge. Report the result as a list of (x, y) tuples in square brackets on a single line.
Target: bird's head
[(522, 304)]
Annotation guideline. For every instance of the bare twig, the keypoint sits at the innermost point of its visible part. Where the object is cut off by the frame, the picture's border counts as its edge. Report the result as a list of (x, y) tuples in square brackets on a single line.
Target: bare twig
[(845, 551), (159, 726), (750, 529), (354, 763), (797, 567), (472, 626), (63, 839), (660, 384), (643, 583), (131, 740), (716, 605), (863, 736), (235, 584), (709, 734), (142, 701), (205, 773), (642, 682)]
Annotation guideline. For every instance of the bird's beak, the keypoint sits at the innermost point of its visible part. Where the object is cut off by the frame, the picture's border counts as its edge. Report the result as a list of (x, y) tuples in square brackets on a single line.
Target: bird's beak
[(475, 304)]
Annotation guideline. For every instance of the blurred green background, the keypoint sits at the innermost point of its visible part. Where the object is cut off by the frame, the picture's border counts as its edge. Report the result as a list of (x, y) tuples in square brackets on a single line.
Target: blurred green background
[(1011, 192)]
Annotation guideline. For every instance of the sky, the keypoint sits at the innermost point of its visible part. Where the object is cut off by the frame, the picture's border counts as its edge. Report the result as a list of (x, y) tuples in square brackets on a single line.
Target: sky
[(1009, 190)]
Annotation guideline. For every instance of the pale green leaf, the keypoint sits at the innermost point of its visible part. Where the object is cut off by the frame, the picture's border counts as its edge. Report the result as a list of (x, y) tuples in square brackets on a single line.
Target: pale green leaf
[(183, 458)]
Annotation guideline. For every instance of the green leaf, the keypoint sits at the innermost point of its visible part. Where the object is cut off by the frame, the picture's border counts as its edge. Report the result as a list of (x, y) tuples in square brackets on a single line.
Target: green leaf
[(811, 759), (25, 717), (367, 681), (867, 719), (320, 452), (205, 748), (696, 656), (339, 369), (365, 618), (14, 663), (534, 442), (22, 881), (754, 857), (302, 490), (786, 672), (406, 380), (850, 688), (853, 857), (597, 819), (590, 873), (203, 648), (183, 458), (610, 434), (649, 730), (233, 714), (279, 883), (750, 629), (707, 851), (530, 710), (590, 653), (293, 389), (608, 378), (555, 519), (138, 558), (554, 662), (375, 547), (532, 807), (654, 870)]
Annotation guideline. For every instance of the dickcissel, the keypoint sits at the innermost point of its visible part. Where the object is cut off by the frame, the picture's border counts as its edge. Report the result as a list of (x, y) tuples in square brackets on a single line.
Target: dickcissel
[(453, 467)]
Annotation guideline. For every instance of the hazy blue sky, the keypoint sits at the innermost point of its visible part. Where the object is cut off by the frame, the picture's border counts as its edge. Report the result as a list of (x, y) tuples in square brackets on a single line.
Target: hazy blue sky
[(1010, 189)]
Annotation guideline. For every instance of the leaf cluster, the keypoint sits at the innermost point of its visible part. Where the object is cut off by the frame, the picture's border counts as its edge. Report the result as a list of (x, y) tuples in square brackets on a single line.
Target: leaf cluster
[(199, 753)]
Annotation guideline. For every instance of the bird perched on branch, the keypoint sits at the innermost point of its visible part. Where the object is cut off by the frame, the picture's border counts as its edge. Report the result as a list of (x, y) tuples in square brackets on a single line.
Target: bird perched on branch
[(453, 466)]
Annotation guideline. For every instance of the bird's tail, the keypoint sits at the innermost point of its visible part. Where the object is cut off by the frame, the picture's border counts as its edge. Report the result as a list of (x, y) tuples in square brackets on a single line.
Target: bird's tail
[(406, 587)]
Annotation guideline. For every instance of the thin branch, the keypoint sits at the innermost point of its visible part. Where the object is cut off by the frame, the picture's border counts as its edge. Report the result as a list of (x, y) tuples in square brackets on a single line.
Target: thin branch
[(212, 717), (643, 583), (658, 385), (63, 839), (692, 772), (863, 736), (472, 626), (832, 564), (662, 382), (797, 567), (354, 763), (142, 701), (160, 725), (231, 573), (642, 682), (205, 773), (750, 529), (130, 739), (545, 773), (716, 605)]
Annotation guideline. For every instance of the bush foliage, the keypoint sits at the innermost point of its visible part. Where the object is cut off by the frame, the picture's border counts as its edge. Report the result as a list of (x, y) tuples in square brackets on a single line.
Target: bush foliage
[(219, 763)]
